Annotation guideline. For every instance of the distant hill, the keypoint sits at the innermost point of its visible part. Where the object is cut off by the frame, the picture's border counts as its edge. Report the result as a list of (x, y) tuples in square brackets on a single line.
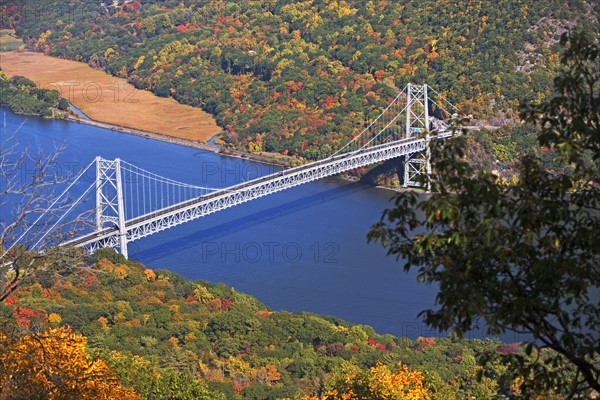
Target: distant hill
[(300, 78)]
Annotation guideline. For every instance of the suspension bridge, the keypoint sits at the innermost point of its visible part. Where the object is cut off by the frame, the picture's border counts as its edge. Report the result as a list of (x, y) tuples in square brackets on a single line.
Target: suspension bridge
[(132, 203)]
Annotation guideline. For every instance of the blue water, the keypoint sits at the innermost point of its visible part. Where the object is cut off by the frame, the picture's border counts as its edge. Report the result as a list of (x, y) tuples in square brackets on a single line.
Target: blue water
[(213, 139), (78, 112), (303, 249)]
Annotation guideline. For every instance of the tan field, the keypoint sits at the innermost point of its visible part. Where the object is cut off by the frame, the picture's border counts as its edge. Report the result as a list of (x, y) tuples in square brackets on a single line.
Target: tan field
[(108, 99)]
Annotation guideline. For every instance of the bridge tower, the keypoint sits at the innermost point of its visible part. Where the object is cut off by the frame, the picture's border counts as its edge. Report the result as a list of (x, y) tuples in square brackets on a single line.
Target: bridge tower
[(417, 125), (110, 208)]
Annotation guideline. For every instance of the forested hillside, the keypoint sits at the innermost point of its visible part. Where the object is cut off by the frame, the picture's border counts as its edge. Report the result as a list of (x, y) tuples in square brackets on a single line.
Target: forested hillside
[(163, 335), (300, 78)]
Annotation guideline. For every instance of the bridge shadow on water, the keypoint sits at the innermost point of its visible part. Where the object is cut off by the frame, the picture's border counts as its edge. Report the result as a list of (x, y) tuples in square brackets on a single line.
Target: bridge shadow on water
[(182, 243)]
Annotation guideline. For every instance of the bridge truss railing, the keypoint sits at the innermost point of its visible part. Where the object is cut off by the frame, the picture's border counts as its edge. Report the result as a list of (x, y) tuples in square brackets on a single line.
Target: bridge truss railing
[(177, 214)]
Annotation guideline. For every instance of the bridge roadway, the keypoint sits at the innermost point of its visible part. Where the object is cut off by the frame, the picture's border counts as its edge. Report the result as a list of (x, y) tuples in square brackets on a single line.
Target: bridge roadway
[(176, 214)]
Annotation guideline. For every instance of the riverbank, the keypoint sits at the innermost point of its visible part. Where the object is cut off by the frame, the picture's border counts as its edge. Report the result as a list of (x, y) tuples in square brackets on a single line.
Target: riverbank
[(272, 159)]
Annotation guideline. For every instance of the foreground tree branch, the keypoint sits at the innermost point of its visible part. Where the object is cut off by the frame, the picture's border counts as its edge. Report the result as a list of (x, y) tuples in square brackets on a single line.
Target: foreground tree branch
[(28, 186), (522, 257)]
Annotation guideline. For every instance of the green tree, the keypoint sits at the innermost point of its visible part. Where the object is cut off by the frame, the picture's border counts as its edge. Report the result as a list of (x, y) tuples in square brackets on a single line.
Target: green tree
[(522, 257), (155, 383)]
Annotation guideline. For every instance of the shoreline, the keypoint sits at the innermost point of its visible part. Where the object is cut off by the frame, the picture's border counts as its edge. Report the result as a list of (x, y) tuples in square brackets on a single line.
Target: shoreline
[(146, 134), (201, 146), (175, 140)]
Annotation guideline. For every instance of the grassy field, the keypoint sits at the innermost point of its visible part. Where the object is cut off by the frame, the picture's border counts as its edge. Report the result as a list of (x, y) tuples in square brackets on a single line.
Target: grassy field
[(108, 99), (8, 42)]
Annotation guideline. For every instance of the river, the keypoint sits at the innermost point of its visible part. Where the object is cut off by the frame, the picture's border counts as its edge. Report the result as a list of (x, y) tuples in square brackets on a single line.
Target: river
[(303, 249)]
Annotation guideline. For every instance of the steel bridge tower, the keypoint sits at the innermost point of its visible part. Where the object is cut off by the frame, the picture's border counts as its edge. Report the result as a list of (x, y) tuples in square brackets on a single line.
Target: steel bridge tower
[(417, 125), (110, 207)]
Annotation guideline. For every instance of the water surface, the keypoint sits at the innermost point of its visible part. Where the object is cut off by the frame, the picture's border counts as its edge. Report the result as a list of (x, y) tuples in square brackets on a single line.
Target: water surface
[(303, 249)]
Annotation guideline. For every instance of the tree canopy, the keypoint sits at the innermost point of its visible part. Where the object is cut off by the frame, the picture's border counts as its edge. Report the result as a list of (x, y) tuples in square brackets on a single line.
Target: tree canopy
[(23, 97), (54, 365)]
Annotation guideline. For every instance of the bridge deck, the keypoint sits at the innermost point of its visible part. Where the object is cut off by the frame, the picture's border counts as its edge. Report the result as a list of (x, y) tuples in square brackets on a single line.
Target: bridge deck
[(227, 197)]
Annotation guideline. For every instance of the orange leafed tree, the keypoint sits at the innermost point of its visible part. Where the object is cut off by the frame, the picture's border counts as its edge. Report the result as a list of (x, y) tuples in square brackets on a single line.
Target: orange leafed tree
[(379, 383), (54, 365)]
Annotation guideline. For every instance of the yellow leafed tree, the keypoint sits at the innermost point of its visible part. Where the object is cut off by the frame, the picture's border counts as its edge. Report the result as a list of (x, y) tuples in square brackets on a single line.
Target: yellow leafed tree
[(54, 365), (379, 383)]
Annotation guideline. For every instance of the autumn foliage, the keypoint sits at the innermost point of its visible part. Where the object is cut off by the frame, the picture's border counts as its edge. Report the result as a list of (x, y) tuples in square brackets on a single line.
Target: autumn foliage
[(296, 72), (379, 383), (168, 337), (54, 365)]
